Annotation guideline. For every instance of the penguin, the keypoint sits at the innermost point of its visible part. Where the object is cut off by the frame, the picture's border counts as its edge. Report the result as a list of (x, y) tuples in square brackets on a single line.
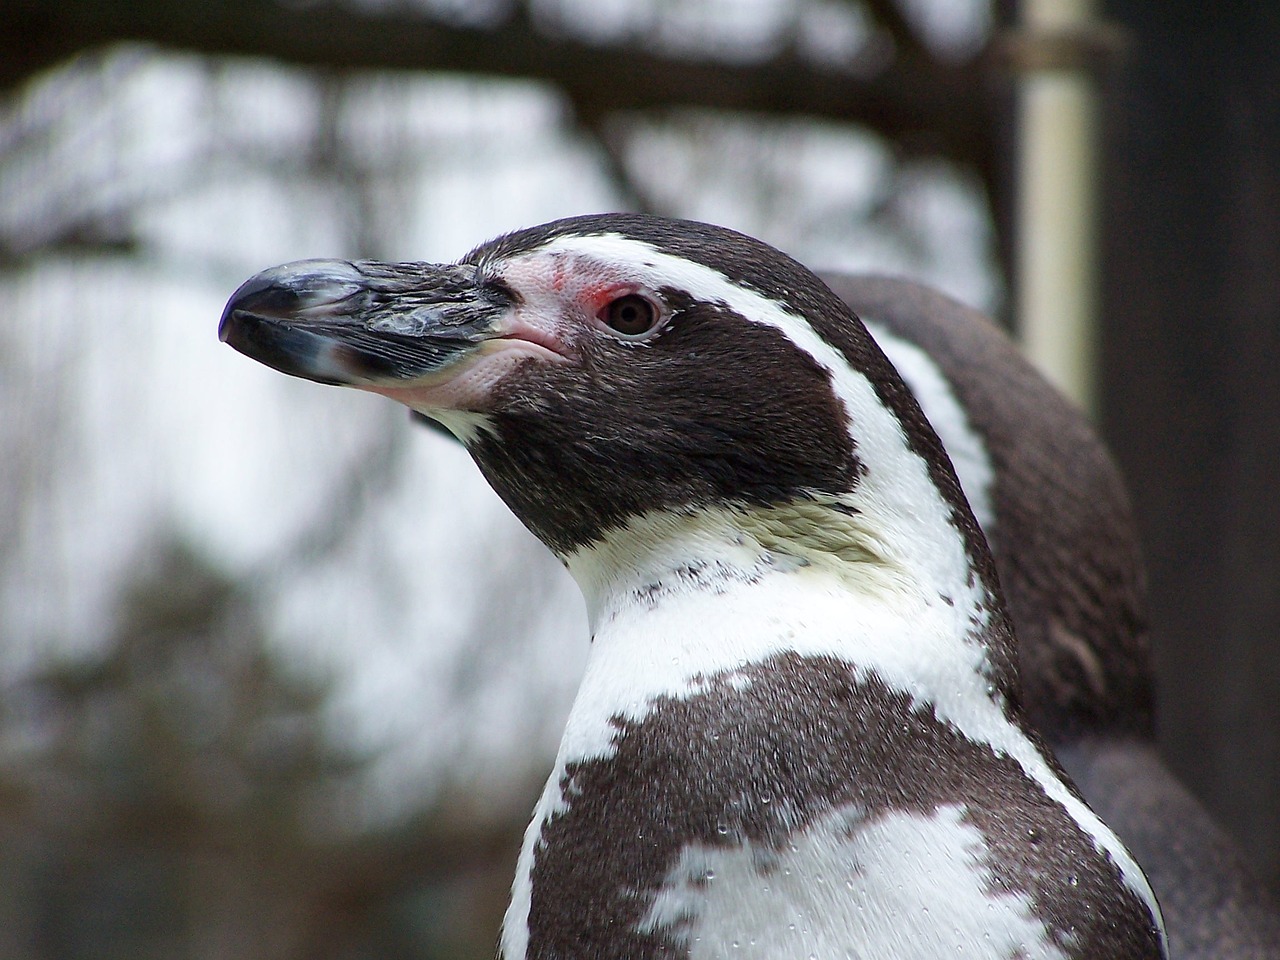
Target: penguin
[(1057, 516), (800, 729)]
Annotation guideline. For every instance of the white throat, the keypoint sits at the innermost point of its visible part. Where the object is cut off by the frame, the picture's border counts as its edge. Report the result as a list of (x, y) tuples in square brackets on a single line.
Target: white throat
[(715, 598)]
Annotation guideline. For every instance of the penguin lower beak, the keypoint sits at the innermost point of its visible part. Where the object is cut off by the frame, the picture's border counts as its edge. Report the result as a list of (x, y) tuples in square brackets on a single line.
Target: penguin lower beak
[(364, 323)]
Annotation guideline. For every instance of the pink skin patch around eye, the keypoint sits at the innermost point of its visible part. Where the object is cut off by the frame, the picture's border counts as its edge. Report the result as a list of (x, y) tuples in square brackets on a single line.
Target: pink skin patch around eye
[(598, 296)]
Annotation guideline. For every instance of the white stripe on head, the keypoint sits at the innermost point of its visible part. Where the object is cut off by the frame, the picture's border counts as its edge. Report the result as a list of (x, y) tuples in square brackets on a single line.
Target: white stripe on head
[(965, 446)]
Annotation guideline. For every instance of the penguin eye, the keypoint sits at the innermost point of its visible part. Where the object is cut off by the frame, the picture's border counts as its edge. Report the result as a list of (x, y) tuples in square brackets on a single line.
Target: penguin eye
[(631, 315)]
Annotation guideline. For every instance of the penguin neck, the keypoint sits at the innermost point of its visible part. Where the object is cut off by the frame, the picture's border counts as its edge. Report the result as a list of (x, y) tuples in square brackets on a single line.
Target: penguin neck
[(703, 593), (780, 577)]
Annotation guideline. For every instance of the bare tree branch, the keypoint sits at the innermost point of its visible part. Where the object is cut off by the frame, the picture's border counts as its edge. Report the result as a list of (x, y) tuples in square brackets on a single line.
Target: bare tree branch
[(889, 15), (923, 104)]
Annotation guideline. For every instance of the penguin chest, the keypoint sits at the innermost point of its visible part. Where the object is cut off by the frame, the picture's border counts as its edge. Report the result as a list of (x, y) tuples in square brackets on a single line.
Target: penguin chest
[(799, 806)]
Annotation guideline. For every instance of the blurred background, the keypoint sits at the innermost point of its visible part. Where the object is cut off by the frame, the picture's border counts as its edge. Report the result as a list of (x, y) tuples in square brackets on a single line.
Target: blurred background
[(279, 676)]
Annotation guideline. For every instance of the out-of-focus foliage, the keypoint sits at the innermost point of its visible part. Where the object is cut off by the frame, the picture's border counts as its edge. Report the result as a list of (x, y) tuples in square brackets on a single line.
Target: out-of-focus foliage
[(170, 791)]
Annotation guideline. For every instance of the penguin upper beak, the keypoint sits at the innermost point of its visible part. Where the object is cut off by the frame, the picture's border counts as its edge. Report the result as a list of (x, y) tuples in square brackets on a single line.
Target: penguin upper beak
[(364, 323)]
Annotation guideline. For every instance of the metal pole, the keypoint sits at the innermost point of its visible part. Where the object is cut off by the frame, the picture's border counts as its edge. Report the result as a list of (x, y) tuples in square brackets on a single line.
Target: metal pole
[(1057, 202)]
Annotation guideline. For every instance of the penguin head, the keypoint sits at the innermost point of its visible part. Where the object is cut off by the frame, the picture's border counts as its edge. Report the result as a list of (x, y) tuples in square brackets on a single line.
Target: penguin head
[(623, 372), (596, 367)]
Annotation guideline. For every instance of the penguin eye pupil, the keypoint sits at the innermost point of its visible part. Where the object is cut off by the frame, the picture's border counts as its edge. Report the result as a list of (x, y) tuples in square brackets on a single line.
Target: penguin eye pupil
[(630, 315)]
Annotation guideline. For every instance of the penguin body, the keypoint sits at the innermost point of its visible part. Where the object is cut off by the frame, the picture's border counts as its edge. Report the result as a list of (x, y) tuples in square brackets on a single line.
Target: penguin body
[(799, 731)]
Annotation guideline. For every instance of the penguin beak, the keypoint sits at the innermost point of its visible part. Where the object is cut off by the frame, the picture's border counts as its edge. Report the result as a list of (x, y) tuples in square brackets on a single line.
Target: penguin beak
[(363, 324)]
